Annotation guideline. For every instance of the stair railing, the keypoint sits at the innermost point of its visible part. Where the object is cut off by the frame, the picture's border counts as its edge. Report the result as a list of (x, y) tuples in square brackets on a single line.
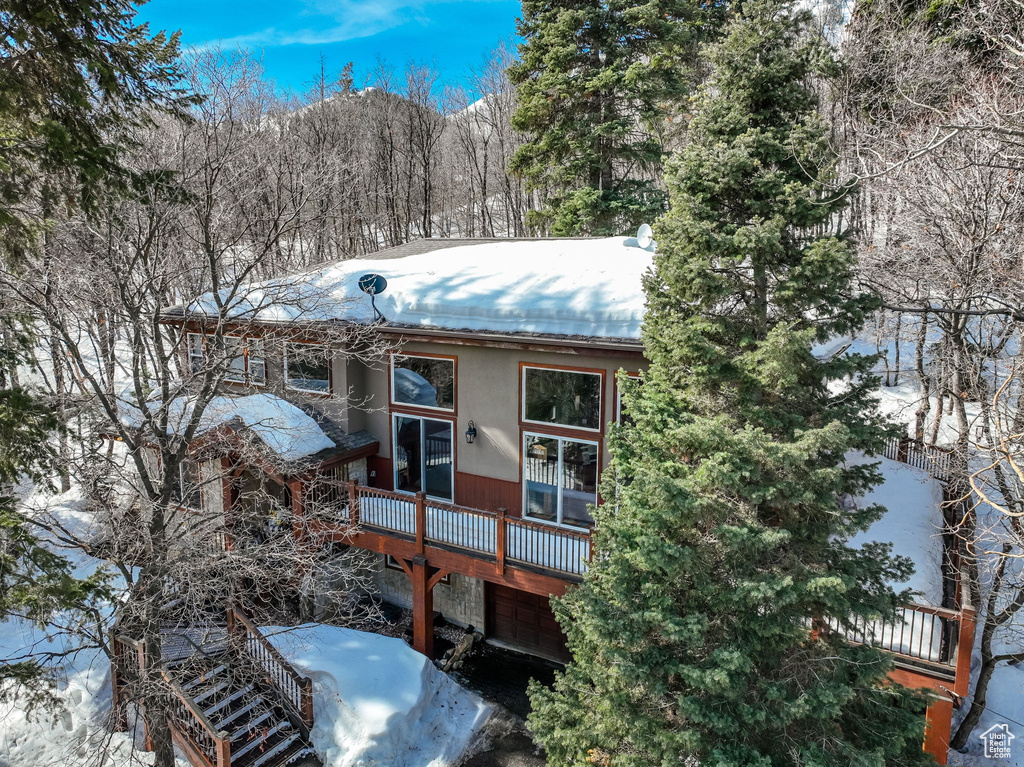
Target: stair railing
[(195, 728), (191, 728), (294, 688)]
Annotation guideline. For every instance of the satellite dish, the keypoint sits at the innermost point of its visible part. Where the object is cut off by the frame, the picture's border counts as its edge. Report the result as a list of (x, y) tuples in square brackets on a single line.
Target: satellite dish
[(374, 284), (644, 236)]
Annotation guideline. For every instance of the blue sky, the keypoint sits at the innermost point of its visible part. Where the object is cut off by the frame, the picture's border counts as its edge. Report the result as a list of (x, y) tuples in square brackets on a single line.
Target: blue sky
[(293, 34)]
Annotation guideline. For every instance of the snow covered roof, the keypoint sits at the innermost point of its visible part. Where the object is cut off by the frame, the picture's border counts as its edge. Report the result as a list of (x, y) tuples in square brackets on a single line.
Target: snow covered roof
[(286, 430), (567, 287)]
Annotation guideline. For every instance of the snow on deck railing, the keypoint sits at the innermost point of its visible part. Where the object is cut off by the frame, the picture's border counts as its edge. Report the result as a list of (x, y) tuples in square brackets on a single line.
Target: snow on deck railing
[(935, 460), (517, 541), (920, 632)]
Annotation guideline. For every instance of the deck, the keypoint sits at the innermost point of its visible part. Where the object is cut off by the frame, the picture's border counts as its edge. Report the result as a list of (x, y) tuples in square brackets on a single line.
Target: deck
[(532, 556)]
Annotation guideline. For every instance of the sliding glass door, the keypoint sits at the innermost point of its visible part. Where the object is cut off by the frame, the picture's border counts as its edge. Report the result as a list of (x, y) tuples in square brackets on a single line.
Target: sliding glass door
[(559, 479), (423, 456)]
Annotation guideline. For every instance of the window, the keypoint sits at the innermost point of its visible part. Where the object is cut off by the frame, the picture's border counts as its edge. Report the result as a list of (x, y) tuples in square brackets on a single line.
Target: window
[(423, 456), (255, 361), (559, 479), (244, 358), (423, 381), (195, 353), (234, 350), (562, 398), (187, 491), (306, 368)]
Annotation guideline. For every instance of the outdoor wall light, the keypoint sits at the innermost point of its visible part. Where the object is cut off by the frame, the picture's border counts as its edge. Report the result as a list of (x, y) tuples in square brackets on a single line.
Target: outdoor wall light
[(470, 433)]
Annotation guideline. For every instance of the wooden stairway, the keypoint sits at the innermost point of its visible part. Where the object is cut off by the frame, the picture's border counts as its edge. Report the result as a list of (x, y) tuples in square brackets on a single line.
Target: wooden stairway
[(236, 702)]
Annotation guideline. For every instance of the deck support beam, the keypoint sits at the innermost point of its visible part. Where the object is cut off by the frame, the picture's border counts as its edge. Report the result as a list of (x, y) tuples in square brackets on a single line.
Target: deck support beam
[(422, 607)]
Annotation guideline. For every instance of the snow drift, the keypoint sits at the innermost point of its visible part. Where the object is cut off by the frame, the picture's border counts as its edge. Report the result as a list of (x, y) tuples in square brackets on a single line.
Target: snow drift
[(379, 702)]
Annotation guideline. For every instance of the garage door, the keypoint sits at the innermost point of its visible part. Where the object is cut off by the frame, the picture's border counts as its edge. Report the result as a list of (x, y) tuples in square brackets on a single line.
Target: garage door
[(524, 621)]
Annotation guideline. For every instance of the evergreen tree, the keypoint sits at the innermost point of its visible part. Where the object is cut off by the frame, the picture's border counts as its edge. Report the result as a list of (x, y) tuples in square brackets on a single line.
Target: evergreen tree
[(77, 78), (722, 539), (36, 582), (597, 82)]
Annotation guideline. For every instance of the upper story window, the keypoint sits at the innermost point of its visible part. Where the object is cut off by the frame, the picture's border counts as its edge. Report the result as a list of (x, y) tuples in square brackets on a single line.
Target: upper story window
[(307, 368), (562, 398), (243, 356), (195, 353), (420, 381), (632, 381), (245, 360), (187, 490)]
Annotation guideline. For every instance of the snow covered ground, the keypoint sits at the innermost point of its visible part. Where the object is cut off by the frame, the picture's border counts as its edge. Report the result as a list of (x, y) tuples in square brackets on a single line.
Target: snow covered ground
[(379, 702), (78, 731)]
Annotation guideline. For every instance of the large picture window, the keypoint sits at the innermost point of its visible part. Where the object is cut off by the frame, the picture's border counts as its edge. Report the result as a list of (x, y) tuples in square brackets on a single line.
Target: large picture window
[(559, 479), (423, 456), (562, 398), (307, 368), (423, 381)]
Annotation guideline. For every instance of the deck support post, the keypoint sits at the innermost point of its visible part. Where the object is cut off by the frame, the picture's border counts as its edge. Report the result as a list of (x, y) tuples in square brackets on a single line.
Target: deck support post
[(422, 607), (421, 521), (501, 532), (298, 509)]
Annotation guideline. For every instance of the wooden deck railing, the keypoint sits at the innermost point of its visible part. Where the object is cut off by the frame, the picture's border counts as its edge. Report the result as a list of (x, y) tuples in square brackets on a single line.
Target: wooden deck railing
[(295, 688), (480, 533), (193, 730), (937, 461)]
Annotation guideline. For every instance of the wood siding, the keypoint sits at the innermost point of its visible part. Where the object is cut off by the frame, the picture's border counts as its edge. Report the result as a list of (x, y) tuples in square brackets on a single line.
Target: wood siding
[(488, 494)]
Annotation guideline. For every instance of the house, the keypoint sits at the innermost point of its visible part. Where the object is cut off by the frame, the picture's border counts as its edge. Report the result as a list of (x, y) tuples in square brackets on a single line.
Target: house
[(453, 422)]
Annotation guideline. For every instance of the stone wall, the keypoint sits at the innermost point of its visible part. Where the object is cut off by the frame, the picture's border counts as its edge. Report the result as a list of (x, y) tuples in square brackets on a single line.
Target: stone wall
[(461, 602)]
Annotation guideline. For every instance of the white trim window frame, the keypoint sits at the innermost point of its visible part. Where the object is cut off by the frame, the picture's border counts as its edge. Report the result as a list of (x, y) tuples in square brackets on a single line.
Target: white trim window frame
[(194, 343), (424, 455), (287, 378), (186, 491), (232, 374), (600, 404), (413, 355), (559, 473), (255, 356)]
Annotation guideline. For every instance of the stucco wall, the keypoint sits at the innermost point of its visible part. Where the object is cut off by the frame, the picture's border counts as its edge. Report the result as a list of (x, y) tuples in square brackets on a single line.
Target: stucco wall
[(487, 392)]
